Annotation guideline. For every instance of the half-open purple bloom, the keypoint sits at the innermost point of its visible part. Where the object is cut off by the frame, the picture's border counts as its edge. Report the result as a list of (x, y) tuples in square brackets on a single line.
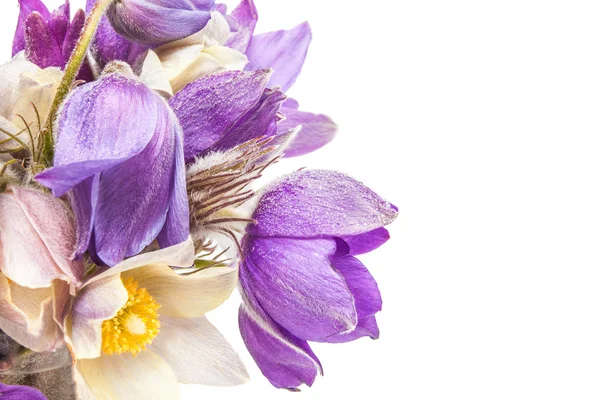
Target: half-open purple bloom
[(300, 278), (48, 38), (8, 392), (221, 111), (120, 154), (157, 22)]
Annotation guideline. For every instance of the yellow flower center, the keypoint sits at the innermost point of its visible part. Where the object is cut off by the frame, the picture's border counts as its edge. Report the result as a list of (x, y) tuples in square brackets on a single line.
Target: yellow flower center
[(136, 324)]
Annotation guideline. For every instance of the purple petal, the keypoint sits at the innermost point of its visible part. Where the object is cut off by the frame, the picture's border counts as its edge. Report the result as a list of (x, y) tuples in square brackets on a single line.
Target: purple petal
[(294, 282), (71, 37), (211, 106), (367, 327), (8, 392), (244, 19), (361, 283), (83, 199), (317, 130), (367, 242), (159, 21), (103, 110), (284, 51), (41, 47), (58, 23), (282, 359), (129, 220), (261, 120), (316, 203), (27, 7), (109, 46)]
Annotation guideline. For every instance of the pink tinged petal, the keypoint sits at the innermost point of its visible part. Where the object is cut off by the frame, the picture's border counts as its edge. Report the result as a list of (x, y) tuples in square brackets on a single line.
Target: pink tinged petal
[(367, 327), (41, 47), (27, 7), (24, 257), (283, 51), (27, 316), (366, 242), (316, 130), (244, 18), (55, 225), (293, 281), (211, 106), (8, 392), (313, 203), (198, 353), (145, 376), (95, 303), (283, 359)]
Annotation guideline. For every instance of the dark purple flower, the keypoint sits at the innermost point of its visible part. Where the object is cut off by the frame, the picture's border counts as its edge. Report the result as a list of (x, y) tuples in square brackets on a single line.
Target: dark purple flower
[(156, 22), (48, 38), (120, 154), (8, 392), (283, 51), (300, 279), (221, 111)]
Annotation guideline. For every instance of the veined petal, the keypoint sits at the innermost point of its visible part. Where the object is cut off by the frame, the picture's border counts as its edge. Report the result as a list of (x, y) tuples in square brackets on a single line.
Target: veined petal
[(189, 296), (294, 283), (104, 110), (366, 242), (316, 130), (198, 353), (313, 203), (361, 283), (284, 51), (145, 376), (94, 304), (284, 360), (367, 327), (210, 107), (27, 7), (245, 17)]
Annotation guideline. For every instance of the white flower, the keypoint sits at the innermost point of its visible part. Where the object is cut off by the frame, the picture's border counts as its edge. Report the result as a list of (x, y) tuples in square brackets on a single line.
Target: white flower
[(184, 61), (138, 329)]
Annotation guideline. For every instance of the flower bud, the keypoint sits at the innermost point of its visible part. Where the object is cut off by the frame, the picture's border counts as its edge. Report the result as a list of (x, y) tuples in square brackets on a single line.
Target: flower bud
[(159, 21)]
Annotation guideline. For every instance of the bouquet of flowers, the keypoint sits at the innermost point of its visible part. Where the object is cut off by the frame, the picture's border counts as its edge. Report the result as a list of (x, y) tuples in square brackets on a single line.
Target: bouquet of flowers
[(132, 135)]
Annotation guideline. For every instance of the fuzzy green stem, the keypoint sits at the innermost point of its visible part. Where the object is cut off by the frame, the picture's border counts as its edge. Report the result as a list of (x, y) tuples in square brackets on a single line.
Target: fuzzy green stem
[(71, 70)]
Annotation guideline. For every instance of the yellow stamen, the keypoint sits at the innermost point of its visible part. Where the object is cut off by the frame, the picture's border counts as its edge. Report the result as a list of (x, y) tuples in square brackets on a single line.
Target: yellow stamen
[(136, 324)]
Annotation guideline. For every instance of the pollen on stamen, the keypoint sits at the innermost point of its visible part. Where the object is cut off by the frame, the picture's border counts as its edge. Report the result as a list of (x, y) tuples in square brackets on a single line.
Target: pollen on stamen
[(136, 324)]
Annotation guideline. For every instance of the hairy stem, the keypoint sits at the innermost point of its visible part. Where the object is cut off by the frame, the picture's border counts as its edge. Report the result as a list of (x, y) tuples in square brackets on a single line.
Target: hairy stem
[(71, 70)]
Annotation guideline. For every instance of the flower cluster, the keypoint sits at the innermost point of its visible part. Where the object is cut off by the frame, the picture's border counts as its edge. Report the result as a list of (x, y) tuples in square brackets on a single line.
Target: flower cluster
[(133, 135)]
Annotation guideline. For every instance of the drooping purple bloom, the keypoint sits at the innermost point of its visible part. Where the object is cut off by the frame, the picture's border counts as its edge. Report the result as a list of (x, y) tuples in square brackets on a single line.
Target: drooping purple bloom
[(119, 154), (221, 111), (300, 279), (284, 51), (49, 38), (156, 22), (10, 392)]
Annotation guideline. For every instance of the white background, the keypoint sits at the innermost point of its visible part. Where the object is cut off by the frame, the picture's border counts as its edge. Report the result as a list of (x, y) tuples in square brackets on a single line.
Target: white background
[(480, 120)]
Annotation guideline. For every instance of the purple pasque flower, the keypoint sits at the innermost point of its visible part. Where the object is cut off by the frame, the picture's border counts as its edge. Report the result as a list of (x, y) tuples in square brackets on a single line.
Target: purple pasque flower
[(220, 111), (10, 392), (300, 279), (284, 51), (48, 38), (156, 22), (119, 154)]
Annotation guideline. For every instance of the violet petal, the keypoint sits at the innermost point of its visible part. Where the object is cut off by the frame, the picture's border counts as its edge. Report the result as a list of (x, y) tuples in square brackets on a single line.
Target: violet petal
[(361, 283), (9, 392), (58, 23), (245, 17), (284, 51), (294, 282), (41, 47), (26, 8), (367, 242), (314, 203), (367, 327)]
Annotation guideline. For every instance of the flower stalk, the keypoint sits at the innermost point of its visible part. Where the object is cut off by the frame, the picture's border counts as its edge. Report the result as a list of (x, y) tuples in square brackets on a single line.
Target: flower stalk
[(71, 69)]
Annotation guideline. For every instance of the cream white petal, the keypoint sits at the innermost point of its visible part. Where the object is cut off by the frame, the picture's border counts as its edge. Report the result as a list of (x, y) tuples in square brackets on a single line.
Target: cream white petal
[(179, 255), (126, 377), (177, 59), (154, 76), (229, 58), (204, 64), (94, 304), (10, 76), (188, 296), (37, 87), (198, 353), (216, 32), (33, 326)]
